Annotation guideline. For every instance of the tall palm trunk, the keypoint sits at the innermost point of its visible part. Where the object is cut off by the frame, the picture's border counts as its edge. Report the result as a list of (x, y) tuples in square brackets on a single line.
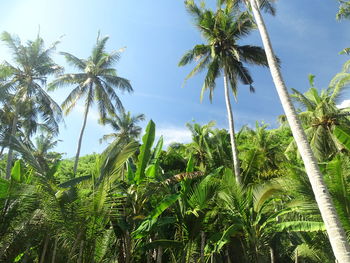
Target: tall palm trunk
[(334, 228), (43, 253), (128, 252), (10, 153), (81, 249), (272, 255), (54, 251), (202, 246), (80, 140), (236, 164), (159, 254)]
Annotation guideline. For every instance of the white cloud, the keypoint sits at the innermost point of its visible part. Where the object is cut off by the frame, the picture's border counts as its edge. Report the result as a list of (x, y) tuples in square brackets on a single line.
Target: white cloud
[(93, 115), (174, 134), (344, 104)]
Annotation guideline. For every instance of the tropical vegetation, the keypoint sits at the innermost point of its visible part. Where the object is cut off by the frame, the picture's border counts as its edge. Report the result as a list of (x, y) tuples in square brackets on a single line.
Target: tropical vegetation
[(257, 194)]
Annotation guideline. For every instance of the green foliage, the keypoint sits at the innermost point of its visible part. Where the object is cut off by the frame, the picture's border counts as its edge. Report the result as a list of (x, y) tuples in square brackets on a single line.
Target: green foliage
[(140, 203), (343, 136), (145, 151), (16, 172), (321, 117)]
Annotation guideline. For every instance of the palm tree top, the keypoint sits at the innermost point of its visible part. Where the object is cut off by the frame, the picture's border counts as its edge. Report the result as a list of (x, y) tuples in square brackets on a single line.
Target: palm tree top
[(32, 61), (25, 78), (96, 80), (124, 125), (221, 30)]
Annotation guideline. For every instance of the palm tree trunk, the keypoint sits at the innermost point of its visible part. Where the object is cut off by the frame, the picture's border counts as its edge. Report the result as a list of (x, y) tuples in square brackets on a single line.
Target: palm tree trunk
[(43, 253), (128, 252), (202, 246), (333, 226), (236, 164), (80, 140), (54, 251), (227, 255), (272, 255), (10, 153), (80, 258), (159, 254), (149, 253)]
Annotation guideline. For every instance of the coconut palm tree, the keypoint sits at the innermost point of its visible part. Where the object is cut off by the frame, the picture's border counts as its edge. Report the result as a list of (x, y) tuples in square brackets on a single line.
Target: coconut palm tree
[(26, 77), (124, 126), (257, 219), (321, 117), (222, 54), (261, 153), (96, 81), (200, 146), (334, 228)]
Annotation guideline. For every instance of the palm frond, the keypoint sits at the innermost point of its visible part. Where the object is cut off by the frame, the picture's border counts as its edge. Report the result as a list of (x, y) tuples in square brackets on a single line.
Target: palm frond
[(74, 61), (212, 74)]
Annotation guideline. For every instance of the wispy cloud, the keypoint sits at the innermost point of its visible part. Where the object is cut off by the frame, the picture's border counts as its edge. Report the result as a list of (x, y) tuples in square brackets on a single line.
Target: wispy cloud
[(344, 104), (93, 114), (173, 134)]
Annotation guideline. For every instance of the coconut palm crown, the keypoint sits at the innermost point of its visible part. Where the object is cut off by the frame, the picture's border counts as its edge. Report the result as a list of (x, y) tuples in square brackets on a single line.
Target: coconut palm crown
[(222, 30), (124, 126), (23, 83), (96, 80)]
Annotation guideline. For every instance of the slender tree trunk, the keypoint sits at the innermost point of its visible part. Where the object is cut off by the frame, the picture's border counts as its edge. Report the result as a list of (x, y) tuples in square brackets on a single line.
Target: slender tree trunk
[(329, 215), (127, 247), (159, 254), (81, 249), (272, 255), (80, 140), (296, 255), (54, 251), (202, 246), (43, 253), (149, 253), (236, 164), (10, 153), (227, 255)]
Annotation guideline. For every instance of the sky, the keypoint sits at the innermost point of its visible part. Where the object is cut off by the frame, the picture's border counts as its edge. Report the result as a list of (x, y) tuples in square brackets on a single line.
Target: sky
[(156, 33)]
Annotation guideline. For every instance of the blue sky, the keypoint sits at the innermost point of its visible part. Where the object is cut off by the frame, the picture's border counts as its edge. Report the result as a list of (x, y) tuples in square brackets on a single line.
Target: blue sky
[(156, 33)]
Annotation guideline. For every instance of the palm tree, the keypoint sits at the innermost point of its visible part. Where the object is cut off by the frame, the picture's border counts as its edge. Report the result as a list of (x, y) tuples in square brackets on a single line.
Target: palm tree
[(257, 220), (221, 54), (261, 153), (321, 117), (334, 228), (124, 126), (96, 81), (26, 78), (200, 146)]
